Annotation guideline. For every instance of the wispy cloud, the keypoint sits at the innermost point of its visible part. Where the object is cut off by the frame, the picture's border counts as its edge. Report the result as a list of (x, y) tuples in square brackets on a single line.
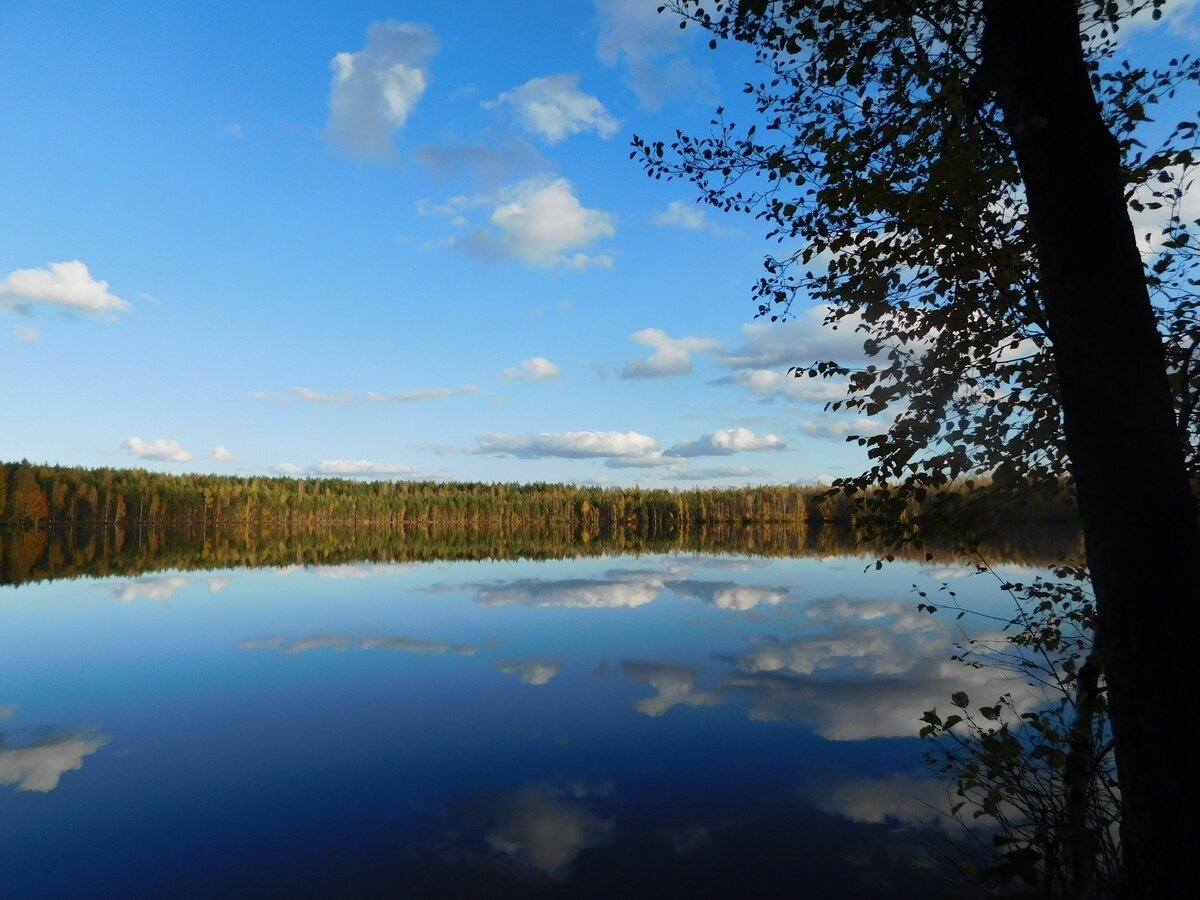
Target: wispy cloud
[(689, 217), (418, 394), (375, 89), (360, 467), (26, 333), (66, 285), (651, 48)]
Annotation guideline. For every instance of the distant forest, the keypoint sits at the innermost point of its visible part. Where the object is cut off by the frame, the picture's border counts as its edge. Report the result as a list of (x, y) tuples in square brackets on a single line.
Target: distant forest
[(38, 496)]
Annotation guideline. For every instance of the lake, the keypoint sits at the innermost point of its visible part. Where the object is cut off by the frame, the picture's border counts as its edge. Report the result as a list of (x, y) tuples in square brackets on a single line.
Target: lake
[(666, 723)]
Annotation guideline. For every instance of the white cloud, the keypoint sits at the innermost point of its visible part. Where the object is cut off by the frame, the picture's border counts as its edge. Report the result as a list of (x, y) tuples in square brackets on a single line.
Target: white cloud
[(689, 217), (729, 595), (725, 442), (541, 222), (356, 571), (554, 108), (40, 766), (682, 215), (26, 333), (418, 394), (531, 671), (359, 467), (216, 585), (1179, 16), (798, 342), (536, 369), (312, 396), (579, 593), (772, 383), (375, 89), (831, 428), (672, 356), (571, 445), (287, 468), (161, 448), (159, 589), (650, 46), (220, 454), (67, 285)]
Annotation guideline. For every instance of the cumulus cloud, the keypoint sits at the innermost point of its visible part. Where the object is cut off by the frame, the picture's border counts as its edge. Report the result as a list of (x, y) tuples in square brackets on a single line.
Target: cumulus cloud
[(531, 671), (39, 767), (725, 442), (161, 449), (672, 356), (160, 588), (375, 89), (554, 108), (216, 585), (537, 368), (360, 467), (1179, 17), (571, 445), (651, 48), (541, 222), (66, 285), (416, 395), (287, 468), (220, 454), (26, 333)]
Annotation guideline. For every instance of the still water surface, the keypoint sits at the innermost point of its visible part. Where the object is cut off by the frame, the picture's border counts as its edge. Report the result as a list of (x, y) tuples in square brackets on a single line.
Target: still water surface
[(667, 725)]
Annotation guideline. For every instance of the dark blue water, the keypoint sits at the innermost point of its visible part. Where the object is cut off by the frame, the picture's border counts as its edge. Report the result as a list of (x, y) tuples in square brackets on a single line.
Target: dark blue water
[(654, 726)]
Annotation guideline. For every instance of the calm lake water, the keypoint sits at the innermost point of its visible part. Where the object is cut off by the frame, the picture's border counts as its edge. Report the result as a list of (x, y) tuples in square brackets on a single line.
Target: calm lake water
[(639, 725)]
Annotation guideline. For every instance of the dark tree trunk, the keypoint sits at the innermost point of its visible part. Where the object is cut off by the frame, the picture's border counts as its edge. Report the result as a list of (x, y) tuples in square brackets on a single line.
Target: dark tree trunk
[(1138, 515)]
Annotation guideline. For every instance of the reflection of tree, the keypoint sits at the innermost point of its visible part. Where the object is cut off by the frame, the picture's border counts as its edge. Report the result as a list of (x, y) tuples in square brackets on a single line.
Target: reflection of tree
[(36, 555)]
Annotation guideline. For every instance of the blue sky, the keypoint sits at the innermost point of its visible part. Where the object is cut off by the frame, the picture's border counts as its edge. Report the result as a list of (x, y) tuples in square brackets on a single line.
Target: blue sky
[(388, 239)]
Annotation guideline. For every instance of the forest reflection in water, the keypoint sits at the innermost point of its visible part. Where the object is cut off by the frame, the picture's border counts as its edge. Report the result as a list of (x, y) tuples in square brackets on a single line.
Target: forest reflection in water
[(31, 555), (447, 714)]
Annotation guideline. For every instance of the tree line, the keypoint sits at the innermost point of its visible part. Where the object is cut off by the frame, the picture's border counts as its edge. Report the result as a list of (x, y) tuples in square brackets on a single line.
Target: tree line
[(39, 496)]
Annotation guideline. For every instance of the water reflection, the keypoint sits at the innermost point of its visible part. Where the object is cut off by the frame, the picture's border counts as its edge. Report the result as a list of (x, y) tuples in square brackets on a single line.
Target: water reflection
[(40, 765), (531, 671), (750, 726), (342, 643)]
